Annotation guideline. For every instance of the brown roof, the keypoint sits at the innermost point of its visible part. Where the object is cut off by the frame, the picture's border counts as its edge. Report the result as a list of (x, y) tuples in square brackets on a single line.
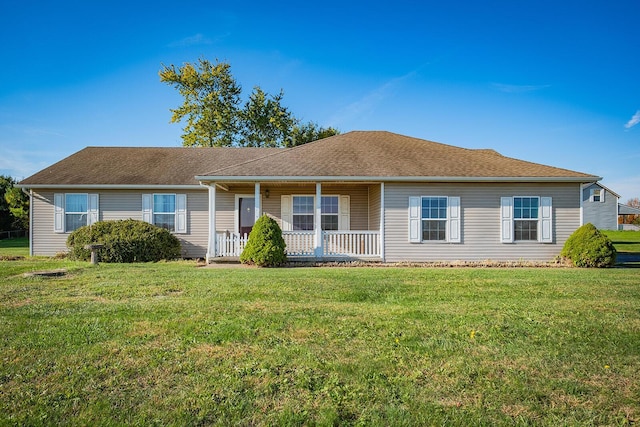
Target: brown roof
[(386, 154), (360, 154), (141, 165)]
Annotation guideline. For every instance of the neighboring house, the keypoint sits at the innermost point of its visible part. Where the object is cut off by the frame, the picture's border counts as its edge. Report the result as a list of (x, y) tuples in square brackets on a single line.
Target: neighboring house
[(359, 195), (626, 210), (600, 206)]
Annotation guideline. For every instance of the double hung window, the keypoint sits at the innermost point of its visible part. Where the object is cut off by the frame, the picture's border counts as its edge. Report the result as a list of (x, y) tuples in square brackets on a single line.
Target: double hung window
[(434, 219), (298, 212), (526, 219), (166, 211), (74, 210)]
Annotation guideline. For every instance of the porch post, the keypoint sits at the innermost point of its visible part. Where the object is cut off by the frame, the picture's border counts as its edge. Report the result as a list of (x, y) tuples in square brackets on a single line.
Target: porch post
[(381, 242), (211, 248), (317, 223), (258, 201)]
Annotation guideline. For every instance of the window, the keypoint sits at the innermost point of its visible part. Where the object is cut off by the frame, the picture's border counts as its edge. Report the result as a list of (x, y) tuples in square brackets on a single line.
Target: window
[(525, 215), (330, 212), (597, 195), (74, 210), (526, 219), (434, 218), (166, 211), (303, 212), (298, 212)]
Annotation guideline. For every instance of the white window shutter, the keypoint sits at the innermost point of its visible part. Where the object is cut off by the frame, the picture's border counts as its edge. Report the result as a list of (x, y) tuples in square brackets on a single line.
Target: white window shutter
[(93, 209), (344, 209), (181, 213), (58, 213), (454, 219), (546, 217), (285, 213), (147, 208), (602, 192), (506, 219), (414, 220)]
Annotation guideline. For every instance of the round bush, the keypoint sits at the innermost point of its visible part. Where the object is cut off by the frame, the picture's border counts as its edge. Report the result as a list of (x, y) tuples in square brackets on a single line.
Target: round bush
[(265, 247), (588, 247), (126, 240)]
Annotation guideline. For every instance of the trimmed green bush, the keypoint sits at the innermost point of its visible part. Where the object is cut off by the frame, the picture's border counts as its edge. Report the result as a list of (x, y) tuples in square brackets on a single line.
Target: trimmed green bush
[(588, 247), (265, 247), (126, 240)]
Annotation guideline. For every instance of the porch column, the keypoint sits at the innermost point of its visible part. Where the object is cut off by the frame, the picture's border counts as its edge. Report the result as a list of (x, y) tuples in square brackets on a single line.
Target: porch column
[(258, 201), (381, 242), (317, 223), (211, 247)]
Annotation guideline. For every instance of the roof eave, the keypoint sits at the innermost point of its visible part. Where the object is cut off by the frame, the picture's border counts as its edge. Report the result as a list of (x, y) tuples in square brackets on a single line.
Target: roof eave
[(258, 178), (112, 186)]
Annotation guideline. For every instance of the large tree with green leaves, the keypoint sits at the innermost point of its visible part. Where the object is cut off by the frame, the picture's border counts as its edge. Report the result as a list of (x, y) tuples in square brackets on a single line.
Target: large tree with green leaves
[(14, 206), (213, 115), (211, 99)]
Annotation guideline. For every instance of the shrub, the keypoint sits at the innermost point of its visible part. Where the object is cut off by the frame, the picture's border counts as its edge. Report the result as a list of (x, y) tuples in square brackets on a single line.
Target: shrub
[(265, 247), (588, 247), (126, 240)]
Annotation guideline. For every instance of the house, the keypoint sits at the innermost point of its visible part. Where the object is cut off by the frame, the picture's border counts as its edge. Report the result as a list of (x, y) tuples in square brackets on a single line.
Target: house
[(361, 195), (600, 206)]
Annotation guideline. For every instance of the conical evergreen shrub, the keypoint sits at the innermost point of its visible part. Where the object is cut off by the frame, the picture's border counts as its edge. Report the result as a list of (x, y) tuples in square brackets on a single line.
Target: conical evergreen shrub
[(265, 247)]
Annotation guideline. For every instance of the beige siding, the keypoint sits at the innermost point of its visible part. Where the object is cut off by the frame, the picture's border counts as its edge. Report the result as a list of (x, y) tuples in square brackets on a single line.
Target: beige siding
[(374, 207), (480, 211), (119, 204)]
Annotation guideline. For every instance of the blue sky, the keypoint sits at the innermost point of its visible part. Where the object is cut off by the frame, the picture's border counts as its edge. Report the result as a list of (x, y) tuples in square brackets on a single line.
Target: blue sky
[(553, 82)]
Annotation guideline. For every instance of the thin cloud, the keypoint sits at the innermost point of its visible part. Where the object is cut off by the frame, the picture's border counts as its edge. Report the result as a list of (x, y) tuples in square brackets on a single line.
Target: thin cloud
[(195, 40), (633, 121), (507, 88)]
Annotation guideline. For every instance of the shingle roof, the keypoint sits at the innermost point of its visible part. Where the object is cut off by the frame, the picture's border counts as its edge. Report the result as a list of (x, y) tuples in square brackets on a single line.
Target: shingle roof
[(361, 154), (386, 154), (141, 165)]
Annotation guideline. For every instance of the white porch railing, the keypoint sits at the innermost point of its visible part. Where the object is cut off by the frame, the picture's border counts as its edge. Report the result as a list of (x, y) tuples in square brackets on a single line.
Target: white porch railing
[(302, 244), (299, 243), (230, 244), (351, 243)]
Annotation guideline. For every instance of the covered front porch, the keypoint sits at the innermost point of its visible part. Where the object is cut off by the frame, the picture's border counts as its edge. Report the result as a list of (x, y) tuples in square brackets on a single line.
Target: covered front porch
[(320, 221)]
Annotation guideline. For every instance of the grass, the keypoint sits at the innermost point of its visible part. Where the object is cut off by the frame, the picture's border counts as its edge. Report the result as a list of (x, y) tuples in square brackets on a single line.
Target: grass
[(14, 247), (169, 343), (625, 241)]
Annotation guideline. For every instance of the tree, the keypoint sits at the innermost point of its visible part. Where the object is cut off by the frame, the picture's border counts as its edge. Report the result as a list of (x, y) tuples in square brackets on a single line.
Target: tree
[(310, 131), (265, 122), (211, 100), (213, 115), (14, 206), (632, 219)]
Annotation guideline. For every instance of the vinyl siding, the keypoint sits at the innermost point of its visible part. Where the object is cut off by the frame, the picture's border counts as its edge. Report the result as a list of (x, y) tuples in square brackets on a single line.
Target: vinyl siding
[(374, 207), (604, 215), (119, 204), (480, 229)]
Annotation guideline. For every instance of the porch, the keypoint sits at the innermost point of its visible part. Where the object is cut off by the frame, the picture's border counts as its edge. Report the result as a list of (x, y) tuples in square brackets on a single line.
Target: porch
[(332, 221), (350, 244)]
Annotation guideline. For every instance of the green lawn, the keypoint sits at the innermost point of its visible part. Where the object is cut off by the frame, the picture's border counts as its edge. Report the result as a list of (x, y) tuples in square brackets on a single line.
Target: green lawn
[(169, 343), (625, 241), (14, 247)]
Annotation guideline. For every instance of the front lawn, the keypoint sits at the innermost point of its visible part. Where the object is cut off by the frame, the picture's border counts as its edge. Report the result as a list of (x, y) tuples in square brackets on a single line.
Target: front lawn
[(14, 247), (168, 343)]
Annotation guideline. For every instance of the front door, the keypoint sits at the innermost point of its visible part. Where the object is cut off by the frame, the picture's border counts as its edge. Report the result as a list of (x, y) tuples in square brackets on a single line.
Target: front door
[(247, 214)]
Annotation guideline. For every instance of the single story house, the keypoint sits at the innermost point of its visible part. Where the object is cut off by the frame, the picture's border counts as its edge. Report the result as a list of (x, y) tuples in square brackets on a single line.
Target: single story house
[(370, 195)]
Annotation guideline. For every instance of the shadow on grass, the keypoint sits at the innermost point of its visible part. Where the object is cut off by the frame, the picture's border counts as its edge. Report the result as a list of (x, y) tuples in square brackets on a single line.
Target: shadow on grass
[(628, 260)]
